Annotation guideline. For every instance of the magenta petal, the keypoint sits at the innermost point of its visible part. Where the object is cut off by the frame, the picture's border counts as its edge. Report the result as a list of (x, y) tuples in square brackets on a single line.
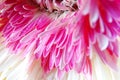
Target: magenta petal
[(50, 41), (28, 7), (69, 52), (18, 7), (52, 57), (59, 36), (58, 57), (43, 22)]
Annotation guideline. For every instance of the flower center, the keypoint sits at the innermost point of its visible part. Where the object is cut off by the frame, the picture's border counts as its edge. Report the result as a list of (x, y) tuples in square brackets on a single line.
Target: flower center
[(57, 5)]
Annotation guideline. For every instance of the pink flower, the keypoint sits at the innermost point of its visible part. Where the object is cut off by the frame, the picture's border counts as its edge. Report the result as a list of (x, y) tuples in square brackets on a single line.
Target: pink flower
[(62, 34)]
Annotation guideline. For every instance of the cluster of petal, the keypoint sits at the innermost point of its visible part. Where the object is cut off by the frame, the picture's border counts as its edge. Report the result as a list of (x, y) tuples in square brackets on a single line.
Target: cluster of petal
[(60, 37), (11, 65)]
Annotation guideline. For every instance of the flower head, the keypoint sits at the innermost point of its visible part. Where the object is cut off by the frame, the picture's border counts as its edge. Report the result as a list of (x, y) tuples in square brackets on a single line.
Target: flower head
[(63, 34)]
